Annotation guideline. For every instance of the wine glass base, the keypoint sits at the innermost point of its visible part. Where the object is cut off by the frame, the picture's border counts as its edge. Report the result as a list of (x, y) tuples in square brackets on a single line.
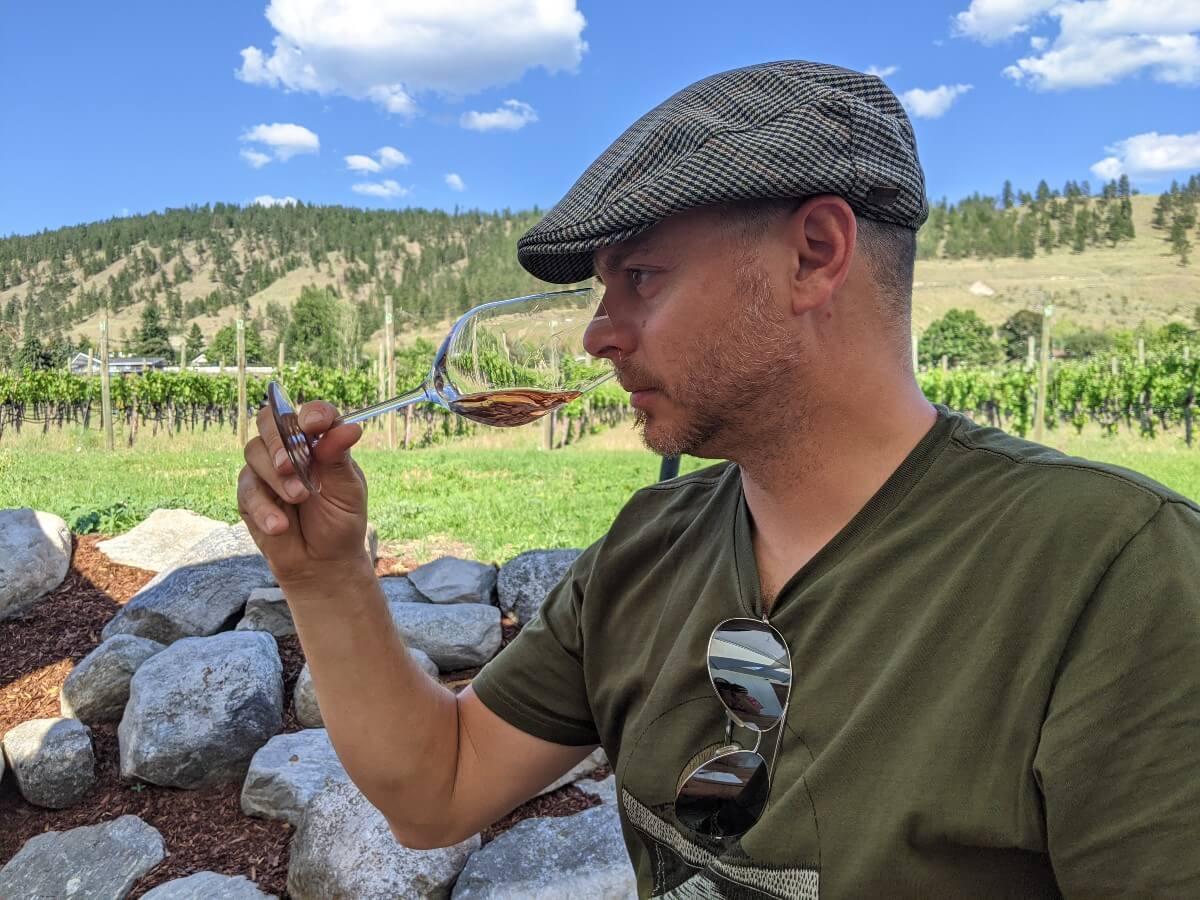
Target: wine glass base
[(295, 441)]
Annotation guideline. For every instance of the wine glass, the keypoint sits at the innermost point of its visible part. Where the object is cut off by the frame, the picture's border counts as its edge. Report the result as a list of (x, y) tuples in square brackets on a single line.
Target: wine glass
[(505, 363)]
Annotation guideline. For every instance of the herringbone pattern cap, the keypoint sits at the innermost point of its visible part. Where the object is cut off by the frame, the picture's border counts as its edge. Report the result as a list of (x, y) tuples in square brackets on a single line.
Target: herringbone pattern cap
[(780, 129)]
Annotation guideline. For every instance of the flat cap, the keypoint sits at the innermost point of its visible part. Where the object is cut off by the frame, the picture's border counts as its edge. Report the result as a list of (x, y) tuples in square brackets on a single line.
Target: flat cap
[(775, 130)]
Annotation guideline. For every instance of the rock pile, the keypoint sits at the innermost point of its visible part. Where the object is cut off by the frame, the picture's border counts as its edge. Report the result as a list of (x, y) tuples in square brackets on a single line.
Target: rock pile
[(191, 670)]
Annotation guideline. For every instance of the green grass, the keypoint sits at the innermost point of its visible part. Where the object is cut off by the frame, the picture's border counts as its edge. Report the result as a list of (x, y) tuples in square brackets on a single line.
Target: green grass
[(497, 503), (492, 501)]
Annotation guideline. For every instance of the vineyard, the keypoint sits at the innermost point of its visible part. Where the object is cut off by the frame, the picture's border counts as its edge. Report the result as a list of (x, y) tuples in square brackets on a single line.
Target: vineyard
[(1145, 396), (176, 401)]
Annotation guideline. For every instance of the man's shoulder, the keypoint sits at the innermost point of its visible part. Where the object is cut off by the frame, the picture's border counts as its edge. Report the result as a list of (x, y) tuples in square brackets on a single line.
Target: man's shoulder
[(1044, 475), (659, 514)]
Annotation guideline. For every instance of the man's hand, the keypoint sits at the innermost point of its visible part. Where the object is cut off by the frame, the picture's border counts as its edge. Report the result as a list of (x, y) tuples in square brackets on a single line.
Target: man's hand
[(305, 536)]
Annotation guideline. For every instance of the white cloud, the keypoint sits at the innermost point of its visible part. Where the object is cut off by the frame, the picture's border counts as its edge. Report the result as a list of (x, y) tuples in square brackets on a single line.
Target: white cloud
[(1151, 155), (455, 182), (512, 115), (268, 200), (995, 20), (1099, 41), (257, 160), (386, 158), (386, 188), (388, 51), (359, 163), (1090, 63), (882, 72), (390, 157), (284, 140), (932, 104)]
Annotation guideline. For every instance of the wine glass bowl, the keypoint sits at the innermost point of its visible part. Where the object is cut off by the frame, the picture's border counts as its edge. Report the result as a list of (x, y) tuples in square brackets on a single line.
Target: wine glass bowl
[(507, 363)]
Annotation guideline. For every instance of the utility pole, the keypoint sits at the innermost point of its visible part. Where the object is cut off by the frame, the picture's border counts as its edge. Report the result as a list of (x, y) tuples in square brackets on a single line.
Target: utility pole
[(241, 378), (389, 350), (105, 393), (1039, 425)]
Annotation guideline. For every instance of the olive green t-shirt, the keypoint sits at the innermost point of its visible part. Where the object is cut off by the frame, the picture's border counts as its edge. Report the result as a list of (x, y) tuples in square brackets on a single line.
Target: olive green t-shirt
[(996, 681)]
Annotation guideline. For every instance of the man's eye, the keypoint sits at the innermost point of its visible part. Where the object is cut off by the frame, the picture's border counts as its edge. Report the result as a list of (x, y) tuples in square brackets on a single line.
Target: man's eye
[(637, 276)]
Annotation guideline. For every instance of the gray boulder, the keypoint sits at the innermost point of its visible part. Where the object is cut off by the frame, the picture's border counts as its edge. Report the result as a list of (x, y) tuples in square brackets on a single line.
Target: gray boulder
[(159, 539), (553, 859), (525, 580), (192, 600), (308, 712), (96, 862), (453, 580), (199, 710), (208, 886), (586, 767), (267, 610), (51, 760), (398, 589), (288, 772), (35, 556), (98, 687), (455, 636), (344, 848)]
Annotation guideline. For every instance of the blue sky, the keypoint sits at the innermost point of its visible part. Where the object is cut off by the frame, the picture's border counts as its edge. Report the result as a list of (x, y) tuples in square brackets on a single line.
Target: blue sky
[(138, 106)]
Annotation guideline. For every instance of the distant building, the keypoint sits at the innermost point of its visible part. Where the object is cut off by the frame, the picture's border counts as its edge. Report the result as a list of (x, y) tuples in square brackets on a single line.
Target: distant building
[(117, 365)]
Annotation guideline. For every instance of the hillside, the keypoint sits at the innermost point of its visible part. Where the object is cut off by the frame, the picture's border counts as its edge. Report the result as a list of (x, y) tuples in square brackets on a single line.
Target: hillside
[(203, 264)]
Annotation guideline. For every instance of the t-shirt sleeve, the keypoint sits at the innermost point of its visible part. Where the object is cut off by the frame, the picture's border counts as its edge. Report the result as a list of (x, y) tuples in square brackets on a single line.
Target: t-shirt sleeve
[(537, 683), (1119, 756)]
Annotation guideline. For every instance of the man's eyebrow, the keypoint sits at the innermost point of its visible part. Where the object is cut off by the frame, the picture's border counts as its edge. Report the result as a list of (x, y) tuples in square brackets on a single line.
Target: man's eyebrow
[(618, 257)]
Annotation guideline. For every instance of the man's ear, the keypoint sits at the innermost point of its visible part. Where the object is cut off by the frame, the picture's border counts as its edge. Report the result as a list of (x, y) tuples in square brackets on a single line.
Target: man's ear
[(821, 236)]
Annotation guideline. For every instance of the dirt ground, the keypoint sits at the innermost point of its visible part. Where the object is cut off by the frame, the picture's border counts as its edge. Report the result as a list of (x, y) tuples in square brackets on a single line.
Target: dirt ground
[(205, 829)]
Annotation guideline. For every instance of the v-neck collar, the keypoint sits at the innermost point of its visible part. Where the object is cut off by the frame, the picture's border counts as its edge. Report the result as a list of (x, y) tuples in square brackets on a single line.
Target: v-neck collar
[(898, 484)]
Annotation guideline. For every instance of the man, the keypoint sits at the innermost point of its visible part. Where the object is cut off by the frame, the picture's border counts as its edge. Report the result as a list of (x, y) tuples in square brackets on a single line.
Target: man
[(995, 649)]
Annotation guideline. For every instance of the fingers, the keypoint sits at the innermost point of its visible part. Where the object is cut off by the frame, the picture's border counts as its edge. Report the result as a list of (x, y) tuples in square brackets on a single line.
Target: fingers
[(315, 418), (274, 444), (259, 506), (284, 485)]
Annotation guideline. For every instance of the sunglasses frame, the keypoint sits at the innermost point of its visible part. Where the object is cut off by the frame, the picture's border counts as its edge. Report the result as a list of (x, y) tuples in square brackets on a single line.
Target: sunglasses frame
[(730, 747)]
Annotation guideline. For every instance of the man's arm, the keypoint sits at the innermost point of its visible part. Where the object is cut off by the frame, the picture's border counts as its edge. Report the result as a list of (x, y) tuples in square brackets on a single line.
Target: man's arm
[(440, 767)]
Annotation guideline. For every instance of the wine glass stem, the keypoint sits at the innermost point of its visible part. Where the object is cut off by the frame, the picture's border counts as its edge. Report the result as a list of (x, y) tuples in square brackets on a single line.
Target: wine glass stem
[(420, 395)]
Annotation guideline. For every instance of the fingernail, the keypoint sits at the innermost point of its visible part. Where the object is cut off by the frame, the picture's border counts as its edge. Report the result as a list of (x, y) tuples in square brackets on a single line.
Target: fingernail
[(280, 457), (293, 487), (274, 522), (309, 418)]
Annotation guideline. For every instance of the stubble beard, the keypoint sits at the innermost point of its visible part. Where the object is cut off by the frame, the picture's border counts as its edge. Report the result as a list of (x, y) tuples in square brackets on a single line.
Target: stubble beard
[(736, 380)]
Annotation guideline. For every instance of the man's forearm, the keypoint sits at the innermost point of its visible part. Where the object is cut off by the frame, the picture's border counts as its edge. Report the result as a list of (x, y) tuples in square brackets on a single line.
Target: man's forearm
[(394, 728)]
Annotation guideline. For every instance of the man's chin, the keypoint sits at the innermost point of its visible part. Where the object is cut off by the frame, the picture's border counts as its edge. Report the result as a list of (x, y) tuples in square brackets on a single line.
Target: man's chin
[(661, 438)]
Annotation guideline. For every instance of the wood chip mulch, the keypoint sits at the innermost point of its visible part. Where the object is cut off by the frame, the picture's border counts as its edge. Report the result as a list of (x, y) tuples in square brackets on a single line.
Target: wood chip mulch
[(203, 830)]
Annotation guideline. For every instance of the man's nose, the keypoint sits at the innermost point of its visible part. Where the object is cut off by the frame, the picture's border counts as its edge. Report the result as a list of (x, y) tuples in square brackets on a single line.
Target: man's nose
[(606, 337)]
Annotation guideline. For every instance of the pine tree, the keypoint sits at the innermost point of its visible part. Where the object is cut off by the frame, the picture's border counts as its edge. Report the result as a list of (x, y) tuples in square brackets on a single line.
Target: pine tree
[(1027, 236), (1046, 235), (152, 337), (194, 343), (1082, 228), (1008, 194), (1161, 209), (1180, 245)]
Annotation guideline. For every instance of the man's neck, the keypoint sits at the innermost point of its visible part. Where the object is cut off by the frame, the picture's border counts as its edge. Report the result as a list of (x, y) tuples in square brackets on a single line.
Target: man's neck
[(806, 491)]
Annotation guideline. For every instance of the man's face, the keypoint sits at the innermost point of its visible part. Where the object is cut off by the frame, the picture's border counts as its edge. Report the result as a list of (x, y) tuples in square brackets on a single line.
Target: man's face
[(697, 334)]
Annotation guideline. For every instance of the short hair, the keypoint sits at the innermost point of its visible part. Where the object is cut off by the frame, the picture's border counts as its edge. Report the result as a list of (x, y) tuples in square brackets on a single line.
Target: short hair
[(890, 250)]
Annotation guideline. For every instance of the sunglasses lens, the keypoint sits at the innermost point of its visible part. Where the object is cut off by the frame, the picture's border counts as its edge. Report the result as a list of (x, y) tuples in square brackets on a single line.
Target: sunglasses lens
[(725, 796), (752, 671)]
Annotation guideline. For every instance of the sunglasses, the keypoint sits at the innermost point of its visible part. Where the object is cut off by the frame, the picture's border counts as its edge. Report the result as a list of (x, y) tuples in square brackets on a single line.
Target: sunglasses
[(751, 670)]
